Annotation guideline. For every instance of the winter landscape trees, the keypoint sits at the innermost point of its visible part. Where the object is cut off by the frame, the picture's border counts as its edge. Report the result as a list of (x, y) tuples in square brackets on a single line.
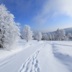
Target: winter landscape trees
[(26, 49), (38, 36), (60, 35), (27, 33), (9, 31)]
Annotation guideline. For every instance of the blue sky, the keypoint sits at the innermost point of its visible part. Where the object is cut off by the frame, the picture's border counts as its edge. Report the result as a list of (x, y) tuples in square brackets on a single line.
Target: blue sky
[(43, 15)]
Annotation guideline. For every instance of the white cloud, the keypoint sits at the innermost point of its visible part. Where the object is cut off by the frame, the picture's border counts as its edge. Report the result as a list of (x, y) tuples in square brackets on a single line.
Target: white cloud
[(52, 8), (62, 6)]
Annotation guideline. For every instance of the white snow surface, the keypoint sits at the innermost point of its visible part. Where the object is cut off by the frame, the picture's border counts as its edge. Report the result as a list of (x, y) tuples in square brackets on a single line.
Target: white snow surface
[(38, 56)]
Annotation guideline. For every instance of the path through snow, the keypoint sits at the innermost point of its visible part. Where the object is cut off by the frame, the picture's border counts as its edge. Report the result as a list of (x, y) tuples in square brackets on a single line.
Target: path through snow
[(37, 57), (12, 64), (32, 64), (43, 61)]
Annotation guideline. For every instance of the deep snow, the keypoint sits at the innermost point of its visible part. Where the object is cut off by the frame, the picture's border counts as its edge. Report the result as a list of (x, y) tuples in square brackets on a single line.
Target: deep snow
[(38, 56)]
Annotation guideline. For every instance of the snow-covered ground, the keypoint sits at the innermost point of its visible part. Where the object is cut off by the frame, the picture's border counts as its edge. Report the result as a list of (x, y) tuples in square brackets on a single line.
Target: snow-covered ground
[(38, 56)]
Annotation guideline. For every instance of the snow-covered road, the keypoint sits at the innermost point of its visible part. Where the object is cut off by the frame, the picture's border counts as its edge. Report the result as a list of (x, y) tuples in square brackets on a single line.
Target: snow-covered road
[(43, 60), (13, 63), (38, 57)]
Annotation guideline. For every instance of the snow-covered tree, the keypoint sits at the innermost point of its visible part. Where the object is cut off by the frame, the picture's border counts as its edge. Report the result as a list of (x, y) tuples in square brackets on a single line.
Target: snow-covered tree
[(50, 36), (69, 35), (9, 31), (38, 36), (45, 36), (60, 35), (27, 33)]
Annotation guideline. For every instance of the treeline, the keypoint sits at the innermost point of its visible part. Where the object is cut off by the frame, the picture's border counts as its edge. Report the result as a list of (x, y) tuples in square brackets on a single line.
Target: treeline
[(58, 35), (10, 31)]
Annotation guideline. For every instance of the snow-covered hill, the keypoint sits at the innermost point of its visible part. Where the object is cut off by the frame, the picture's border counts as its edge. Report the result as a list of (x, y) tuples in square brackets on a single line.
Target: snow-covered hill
[(39, 56)]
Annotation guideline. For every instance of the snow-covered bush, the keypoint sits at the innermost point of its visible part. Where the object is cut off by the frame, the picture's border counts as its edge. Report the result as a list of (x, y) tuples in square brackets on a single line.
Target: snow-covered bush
[(38, 36), (9, 31), (60, 35), (69, 35), (52, 36), (48, 36), (45, 36), (27, 33)]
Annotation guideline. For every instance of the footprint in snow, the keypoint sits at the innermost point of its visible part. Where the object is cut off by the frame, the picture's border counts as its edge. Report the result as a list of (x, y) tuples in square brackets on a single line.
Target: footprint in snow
[(31, 65)]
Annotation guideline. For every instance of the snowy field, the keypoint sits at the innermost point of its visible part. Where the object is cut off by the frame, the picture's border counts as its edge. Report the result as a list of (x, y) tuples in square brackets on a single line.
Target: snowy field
[(38, 56)]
